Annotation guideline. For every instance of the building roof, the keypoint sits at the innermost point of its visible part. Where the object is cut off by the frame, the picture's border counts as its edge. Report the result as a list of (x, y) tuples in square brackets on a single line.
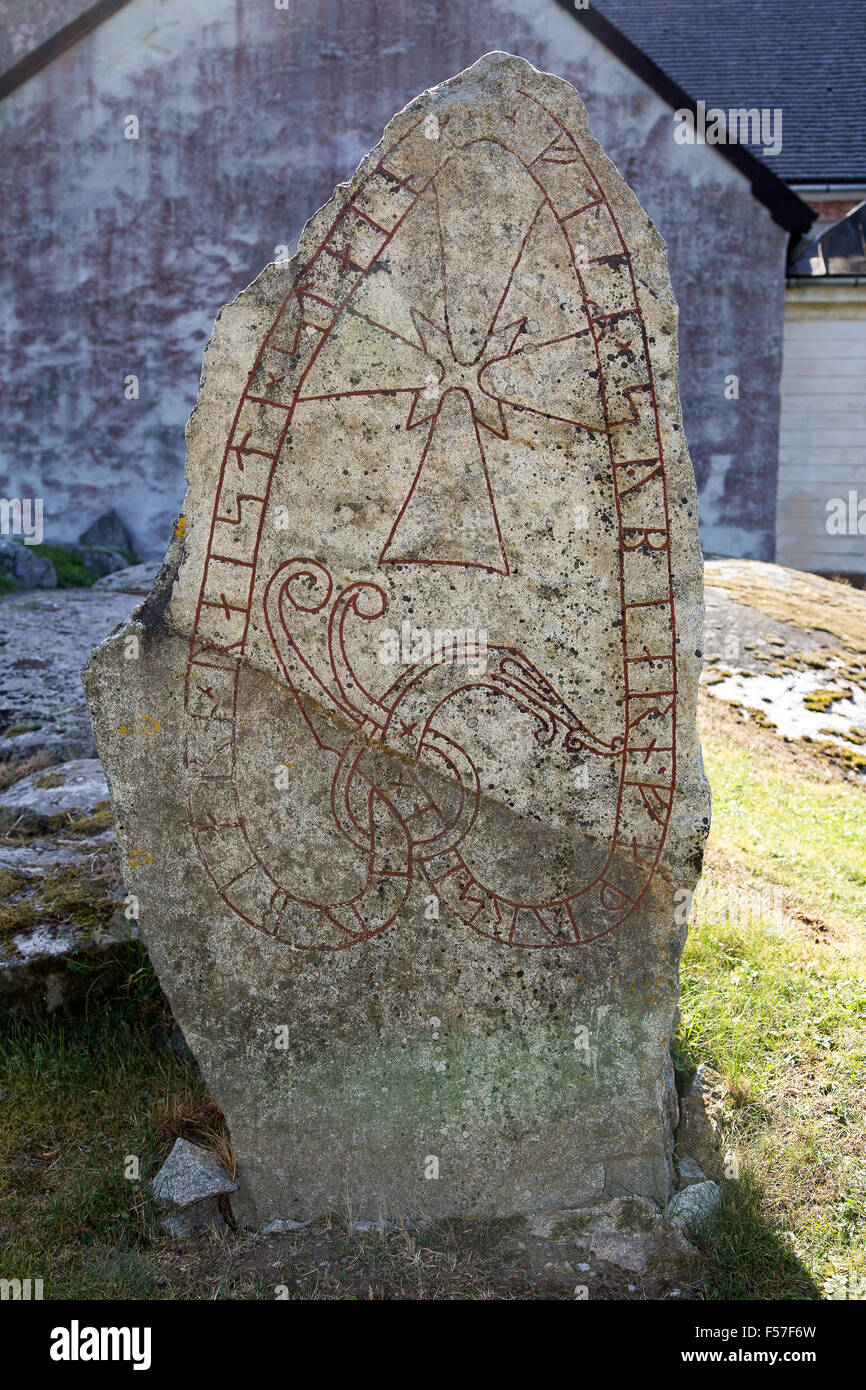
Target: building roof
[(808, 59), (784, 205)]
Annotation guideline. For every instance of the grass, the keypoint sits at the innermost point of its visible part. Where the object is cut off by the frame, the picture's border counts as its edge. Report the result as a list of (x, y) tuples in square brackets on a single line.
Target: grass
[(777, 1008), (70, 569), (14, 770), (80, 1097), (789, 828), (84, 1096)]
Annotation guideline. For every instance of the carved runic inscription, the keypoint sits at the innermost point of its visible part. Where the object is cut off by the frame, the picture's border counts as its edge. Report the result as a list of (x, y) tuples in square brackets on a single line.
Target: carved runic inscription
[(484, 368)]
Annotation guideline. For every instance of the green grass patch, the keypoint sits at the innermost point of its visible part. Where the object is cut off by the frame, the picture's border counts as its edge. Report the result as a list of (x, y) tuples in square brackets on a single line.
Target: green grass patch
[(81, 1097), (71, 570), (791, 829), (783, 1020)]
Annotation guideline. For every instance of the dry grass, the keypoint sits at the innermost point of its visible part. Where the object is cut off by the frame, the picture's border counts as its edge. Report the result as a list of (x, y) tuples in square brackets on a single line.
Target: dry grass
[(14, 770), (190, 1114)]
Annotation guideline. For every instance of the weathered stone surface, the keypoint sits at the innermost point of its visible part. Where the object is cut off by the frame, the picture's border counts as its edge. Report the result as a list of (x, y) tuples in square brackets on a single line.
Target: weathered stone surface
[(284, 1226), (79, 785), (630, 1232), (134, 579), (194, 1220), (186, 1188), (699, 1133), (61, 940), (43, 638), (689, 1172), (411, 894), (99, 559)]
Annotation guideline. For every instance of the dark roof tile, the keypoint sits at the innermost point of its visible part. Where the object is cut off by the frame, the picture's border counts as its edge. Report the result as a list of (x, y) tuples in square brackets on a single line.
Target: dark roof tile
[(807, 58)]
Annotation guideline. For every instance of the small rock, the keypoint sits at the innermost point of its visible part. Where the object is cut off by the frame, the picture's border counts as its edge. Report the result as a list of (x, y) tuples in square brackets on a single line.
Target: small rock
[(698, 1084), (37, 858), (107, 531), (133, 579), (99, 559), (26, 568), (690, 1172), (694, 1206), (44, 940), (628, 1232), (190, 1174), (282, 1227), (73, 740)]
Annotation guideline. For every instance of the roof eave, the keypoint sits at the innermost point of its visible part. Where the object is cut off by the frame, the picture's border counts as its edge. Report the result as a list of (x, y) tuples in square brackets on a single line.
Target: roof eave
[(782, 203), (45, 53)]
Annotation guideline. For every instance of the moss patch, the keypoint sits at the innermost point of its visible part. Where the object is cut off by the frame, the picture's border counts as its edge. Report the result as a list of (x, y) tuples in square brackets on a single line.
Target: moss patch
[(93, 823), (12, 770), (759, 717), (788, 596), (69, 824), (819, 701), (633, 1217), (848, 758), (67, 897), (571, 1226), (50, 779)]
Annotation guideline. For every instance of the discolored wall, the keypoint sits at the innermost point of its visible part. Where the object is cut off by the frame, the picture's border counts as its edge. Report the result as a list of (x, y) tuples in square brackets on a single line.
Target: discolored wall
[(120, 252)]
